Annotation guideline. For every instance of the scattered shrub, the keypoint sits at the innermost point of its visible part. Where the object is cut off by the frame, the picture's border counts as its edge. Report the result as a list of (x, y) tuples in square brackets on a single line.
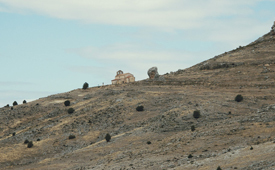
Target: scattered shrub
[(11, 108), (70, 110), (24, 101), (15, 103), (26, 141), (140, 108), (38, 139), (13, 134), (219, 168), (148, 142), (239, 98), (71, 136), (85, 85), (251, 148), (7, 105), (192, 128), (67, 103), (190, 156), (196, 114), (108, 137), (30, 144)]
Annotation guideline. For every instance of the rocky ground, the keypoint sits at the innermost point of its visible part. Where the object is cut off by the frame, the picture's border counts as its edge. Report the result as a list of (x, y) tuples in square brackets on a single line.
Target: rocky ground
[(229, 134)]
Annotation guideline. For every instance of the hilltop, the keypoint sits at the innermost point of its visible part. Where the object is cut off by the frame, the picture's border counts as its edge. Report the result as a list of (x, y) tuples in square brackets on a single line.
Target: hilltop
[(229, 134)]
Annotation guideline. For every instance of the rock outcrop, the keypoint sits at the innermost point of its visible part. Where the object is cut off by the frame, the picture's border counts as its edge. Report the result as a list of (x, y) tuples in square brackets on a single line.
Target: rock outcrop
[(154, 75)]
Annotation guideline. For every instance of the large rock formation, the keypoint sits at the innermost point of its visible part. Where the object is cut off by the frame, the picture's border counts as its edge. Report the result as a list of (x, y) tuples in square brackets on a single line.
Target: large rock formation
[(154, 75)]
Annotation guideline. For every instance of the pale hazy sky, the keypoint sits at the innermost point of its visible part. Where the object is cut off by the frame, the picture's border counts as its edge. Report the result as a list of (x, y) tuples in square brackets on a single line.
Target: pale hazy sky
[(54, 46)]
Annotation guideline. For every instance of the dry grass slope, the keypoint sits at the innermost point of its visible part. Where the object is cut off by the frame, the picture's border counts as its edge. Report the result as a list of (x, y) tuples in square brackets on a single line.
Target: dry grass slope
[(222, 137)]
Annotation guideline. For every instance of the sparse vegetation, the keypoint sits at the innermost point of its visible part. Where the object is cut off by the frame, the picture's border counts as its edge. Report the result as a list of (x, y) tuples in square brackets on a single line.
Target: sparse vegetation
[(67, 103), (71, 110), (190, 156), (140, 108), (217, 65), (71, 136), (15, 103), (85, 85), (205, 67), (239, 98), (221, 65), (108, 137), (192, 128), (26, 141), (196, 114), (225, 129), (219, 168), (24, 101), (30, 144)]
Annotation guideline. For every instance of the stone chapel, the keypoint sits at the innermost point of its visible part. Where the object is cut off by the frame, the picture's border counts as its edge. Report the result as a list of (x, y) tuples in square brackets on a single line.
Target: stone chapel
[(121, 78)]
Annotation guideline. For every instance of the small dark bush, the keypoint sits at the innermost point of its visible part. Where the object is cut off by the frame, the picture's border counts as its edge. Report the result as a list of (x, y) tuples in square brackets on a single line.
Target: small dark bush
[(140, 108), (11, 108), (30, 144), (7, 105), (70, 110), (38, 139), (219, 168), (85, 85), (148, 142), (71, 136), (108, 137), (190, 156), (192, 128), (67, 103), (251, 148), (26, 141), (13, 134), (196, 114), (24, 101), (239, 98), (15, 103)]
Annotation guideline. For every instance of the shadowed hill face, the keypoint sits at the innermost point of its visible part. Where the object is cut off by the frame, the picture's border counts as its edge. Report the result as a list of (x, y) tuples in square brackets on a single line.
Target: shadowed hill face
[(223, 135)]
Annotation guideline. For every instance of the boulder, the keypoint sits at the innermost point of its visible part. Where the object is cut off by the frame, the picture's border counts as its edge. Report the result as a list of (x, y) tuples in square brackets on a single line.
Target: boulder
[(154, 75)]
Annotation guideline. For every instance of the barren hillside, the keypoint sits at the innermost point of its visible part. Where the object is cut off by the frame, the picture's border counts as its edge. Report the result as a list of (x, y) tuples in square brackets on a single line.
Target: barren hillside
[(229, 134)]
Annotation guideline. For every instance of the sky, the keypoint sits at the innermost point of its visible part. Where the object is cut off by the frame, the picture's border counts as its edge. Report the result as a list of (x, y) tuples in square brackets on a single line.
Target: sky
[(55, 46)]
